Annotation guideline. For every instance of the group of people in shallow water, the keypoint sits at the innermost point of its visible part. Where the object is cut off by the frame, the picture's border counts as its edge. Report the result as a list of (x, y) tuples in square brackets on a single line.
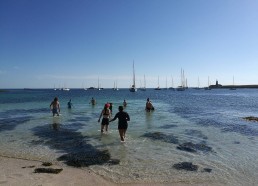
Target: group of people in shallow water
[(122, 116)]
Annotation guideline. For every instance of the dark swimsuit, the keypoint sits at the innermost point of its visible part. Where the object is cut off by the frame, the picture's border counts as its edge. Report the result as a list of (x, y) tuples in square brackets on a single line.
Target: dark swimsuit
[(122, 120), (105, 121)]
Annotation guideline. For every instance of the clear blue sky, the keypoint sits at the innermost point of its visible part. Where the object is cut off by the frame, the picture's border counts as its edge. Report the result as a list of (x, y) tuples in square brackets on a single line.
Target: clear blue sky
[(47, 43)]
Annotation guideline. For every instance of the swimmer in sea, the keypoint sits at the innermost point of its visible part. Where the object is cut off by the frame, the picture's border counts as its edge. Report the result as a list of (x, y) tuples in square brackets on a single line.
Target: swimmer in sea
[(149, 105)]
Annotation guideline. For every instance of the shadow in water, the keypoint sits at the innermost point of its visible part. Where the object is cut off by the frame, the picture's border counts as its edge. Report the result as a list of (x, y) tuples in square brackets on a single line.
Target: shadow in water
[(14, 112), (76, 148), (168, 126), (196, 133), (11, 123), (169, 138)]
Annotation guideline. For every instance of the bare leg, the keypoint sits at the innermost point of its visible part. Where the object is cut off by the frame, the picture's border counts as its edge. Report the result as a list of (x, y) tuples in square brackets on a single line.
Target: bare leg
[(106, 128), (121, 133), (102, 128), (124, 131)]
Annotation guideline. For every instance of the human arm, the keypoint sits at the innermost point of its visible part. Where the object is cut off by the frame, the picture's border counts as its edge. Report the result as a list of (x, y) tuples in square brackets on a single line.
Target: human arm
[(100, 116), (50, 106), (58, 105), (113, 118), (127, 117)]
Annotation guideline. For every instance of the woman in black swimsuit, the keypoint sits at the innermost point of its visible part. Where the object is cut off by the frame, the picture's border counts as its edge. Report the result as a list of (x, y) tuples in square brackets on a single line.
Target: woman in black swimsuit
[(106, 113), (123, 117)]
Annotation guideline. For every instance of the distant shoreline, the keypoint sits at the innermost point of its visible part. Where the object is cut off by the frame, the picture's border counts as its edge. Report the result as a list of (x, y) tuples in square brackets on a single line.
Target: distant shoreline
[(232, 86)]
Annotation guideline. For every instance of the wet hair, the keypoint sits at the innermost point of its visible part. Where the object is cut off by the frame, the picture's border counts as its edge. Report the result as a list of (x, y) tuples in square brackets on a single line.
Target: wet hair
[(120, 108), (148, 99), (56, 99)]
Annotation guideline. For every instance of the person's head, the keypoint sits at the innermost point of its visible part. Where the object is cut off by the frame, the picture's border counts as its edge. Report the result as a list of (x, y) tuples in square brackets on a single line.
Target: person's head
[(70, 100), (107, 105), (148, 99), (120, 108), (56, 99)]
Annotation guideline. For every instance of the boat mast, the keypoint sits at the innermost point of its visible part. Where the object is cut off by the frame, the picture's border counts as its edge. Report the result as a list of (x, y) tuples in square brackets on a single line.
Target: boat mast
[(133, 76)]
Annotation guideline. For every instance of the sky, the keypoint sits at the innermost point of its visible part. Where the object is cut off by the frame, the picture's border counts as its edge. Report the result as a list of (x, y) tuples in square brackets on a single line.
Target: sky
[(64, 43)]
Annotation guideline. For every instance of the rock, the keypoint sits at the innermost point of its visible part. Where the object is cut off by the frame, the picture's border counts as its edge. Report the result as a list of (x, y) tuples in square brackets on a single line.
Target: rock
[(251, 118), (189, 166), (207, 170), (191, 147), (168, 138), (47, 170)]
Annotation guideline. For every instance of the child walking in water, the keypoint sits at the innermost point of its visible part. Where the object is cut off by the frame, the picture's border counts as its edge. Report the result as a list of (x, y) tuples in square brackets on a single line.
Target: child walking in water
[(123, 117), (55, 107), (106, 113)]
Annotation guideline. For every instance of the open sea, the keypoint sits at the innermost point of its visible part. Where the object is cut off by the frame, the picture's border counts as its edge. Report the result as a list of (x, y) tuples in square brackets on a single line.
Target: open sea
[(193, 136)]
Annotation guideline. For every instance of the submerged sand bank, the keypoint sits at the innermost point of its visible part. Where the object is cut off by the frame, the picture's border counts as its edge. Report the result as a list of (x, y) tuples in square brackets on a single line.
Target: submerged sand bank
[(21, 172)]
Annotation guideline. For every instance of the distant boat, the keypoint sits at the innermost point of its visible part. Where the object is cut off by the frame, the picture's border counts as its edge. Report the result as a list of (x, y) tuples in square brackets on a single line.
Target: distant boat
[(133, 87), (83, 87), (115, 86), (65, 89), (144, 86), (172, 84), (208, 88), (91, 88), (233, 88), (99, 85), (158, 88), (198, 87), (182, 86)]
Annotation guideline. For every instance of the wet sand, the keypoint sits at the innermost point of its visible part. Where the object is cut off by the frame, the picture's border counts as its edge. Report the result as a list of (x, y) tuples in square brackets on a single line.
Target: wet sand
[(21, 172)]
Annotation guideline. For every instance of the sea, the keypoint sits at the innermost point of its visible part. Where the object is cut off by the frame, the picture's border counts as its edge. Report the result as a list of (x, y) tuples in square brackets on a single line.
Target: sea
[(192, 136)]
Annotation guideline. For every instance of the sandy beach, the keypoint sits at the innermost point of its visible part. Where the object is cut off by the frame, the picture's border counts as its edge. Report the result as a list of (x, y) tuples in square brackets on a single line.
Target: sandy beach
[(21, 172)]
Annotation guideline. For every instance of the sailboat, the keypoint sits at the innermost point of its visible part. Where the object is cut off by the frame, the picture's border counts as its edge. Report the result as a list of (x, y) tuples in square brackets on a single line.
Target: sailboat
[(65, 89), (233, 87), (144, 86), (98, 85), (166, 83), (133, 87), (182, 86), (198, 87), (208, 88), (115, 86), (172, 84), (158, 88)]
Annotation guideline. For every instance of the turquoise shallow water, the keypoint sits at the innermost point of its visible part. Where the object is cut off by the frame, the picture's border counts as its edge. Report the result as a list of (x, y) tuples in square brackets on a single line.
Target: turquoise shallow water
[(210, 121)]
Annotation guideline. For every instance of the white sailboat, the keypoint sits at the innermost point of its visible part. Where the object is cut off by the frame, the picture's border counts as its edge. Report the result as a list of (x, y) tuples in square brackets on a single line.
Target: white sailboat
[(158, 88), (233, 87), (65, 89), (144, 86), (172, 84), (182, 86), (133, 87), (166, 84), (115, 86), (98, 85), (198, 85)]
